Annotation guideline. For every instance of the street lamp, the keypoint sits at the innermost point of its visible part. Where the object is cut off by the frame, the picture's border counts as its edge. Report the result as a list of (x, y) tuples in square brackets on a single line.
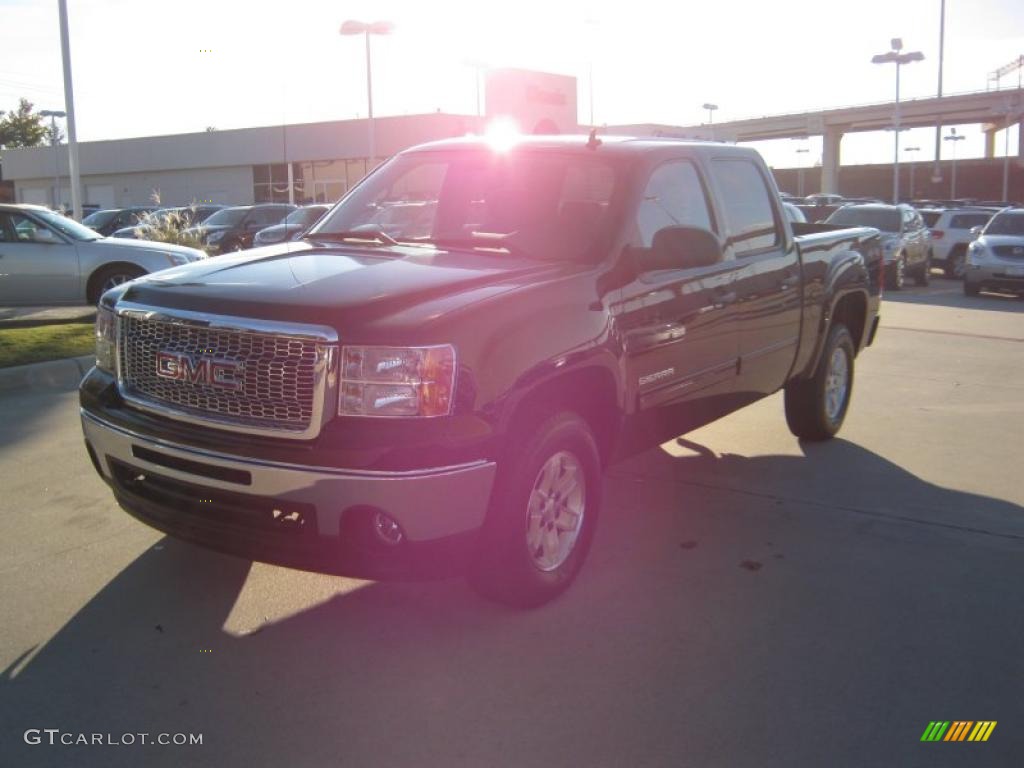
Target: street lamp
[(711, 114), (954, 138), (53, 114), (352, 27), (911, 149), (895, 57)]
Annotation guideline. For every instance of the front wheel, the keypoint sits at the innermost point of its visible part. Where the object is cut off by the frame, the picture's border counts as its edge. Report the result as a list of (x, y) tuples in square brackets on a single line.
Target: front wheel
[(543, 513), (816, 407), (971, 289), (111, 277)]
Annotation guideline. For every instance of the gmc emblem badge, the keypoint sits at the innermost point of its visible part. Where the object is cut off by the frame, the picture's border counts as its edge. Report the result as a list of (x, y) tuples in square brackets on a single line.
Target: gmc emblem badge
[(223, 374)]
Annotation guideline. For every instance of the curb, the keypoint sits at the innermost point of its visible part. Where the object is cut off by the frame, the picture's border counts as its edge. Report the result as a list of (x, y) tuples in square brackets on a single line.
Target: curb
[(51, 376), (32, 322)]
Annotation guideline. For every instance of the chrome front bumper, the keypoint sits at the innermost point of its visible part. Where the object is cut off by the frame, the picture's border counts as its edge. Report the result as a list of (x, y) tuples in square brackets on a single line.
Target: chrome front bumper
[(428, 504)]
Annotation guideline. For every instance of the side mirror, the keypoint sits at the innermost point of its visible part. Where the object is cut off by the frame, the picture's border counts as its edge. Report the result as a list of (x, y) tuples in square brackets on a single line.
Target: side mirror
[(680, 248), (976, 231)]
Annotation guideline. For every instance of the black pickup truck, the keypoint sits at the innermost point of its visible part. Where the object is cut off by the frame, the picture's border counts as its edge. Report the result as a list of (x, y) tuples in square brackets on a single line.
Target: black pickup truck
[(401, 396)]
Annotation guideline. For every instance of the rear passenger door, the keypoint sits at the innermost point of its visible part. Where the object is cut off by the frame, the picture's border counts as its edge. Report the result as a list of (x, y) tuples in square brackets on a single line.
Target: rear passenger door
[(768, 284)]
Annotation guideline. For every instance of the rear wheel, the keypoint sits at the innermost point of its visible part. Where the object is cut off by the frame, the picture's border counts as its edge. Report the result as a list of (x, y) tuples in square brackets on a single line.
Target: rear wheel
[(111, 277), (816, 407), (956, 263), (543, 513), (923, 277)]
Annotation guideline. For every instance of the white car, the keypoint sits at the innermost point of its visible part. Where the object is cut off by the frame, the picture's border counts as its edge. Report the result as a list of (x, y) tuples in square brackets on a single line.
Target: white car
[(46, 258), (951, 234)]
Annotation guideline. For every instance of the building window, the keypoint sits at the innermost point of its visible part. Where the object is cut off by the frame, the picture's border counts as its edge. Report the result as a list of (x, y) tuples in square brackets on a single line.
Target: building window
[(270, 183)]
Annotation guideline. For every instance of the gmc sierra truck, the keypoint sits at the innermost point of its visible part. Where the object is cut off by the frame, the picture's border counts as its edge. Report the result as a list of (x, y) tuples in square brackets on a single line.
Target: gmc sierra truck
[(403, 396)]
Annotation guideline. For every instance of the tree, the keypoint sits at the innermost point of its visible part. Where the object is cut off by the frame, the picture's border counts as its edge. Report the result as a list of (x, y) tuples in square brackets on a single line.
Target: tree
[(23, 127)]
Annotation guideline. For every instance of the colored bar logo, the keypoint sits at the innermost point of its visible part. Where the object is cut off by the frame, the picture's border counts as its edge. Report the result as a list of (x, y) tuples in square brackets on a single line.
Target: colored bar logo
[(958, 730)]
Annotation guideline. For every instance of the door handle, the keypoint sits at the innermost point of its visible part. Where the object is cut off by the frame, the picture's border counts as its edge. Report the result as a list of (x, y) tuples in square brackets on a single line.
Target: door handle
[(724, 297)]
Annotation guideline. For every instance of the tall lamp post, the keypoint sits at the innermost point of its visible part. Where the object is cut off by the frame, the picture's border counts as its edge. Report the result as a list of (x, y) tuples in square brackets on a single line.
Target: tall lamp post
[(352, 27), (895, 57), (53, 114), (954, 138), (711, 117)]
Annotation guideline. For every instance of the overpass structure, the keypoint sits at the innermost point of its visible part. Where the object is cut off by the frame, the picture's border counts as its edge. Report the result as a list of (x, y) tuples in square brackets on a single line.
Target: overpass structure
[(995, 110)]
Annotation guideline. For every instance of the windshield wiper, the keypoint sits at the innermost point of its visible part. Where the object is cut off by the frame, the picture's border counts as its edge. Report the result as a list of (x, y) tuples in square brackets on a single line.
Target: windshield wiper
[(373, 235), (486, 241)]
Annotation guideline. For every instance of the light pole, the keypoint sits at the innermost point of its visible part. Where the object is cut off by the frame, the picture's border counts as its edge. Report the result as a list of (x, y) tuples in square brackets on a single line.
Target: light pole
[(800, 174), (711, 117), (53, 114), (478, 67), (954, 138), (911, 149), (895, 57), (1008, 111), (352, 27), (69, 105)]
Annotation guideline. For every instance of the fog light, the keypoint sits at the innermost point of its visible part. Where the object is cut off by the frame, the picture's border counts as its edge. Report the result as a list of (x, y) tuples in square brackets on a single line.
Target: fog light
[(387, 529)]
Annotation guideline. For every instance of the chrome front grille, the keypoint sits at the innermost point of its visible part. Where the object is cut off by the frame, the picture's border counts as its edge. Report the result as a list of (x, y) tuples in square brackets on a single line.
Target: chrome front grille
[(276, 380)]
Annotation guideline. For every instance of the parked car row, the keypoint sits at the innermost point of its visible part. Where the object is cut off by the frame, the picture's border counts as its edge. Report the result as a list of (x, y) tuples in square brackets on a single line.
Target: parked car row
[(220, 227)]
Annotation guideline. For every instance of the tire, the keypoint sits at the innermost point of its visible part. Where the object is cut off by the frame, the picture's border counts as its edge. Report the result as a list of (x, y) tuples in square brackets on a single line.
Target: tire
[(924, 276), (519, 563), (971, 289), (815, 410), (109, 277), (956, 263), (897, 276)]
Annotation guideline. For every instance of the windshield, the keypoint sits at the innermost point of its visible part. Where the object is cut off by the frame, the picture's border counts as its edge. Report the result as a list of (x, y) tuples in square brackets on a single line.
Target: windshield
[(226, 217), (541, 204), (885, 219), (1006, 224), (68, 227), (303, 217), (99, 218)]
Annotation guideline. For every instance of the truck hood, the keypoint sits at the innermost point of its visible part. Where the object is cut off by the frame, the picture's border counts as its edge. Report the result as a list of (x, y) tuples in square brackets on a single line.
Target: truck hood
[(336, 284)]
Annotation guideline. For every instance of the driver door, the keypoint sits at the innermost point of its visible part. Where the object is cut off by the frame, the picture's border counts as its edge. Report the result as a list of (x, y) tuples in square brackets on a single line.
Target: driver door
[(37, 265)]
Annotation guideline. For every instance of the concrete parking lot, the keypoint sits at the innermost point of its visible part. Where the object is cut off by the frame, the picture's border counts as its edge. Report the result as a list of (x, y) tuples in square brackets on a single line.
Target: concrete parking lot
[(749, 601)]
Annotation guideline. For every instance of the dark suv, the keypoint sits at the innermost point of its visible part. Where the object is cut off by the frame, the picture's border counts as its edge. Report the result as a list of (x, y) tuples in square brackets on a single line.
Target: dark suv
[(906, 241), (109, 220), (233, 229)]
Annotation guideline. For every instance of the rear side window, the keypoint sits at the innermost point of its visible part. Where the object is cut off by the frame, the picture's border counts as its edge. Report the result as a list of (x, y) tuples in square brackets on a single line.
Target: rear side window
[(931, 217), (968, 220), (674, 197), (746, 205)]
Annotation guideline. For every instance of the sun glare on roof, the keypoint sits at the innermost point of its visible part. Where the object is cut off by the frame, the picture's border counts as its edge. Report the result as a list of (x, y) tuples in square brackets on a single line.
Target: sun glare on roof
[(502, 134)]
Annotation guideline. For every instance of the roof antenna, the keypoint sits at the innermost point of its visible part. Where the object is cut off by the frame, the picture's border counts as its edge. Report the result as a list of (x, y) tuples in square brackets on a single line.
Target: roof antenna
[(593, 142)]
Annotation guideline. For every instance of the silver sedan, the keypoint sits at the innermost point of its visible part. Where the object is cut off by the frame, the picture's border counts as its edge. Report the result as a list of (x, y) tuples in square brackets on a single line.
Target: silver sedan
[(46, 258)]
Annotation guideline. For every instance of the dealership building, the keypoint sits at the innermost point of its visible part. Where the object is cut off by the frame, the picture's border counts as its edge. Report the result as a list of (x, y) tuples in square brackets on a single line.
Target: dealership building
[(302, 163)]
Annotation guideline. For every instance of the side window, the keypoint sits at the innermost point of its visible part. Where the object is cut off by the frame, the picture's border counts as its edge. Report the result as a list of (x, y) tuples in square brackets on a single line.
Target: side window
[(7, 231), (25, 230), (674, 197), (746, 205)]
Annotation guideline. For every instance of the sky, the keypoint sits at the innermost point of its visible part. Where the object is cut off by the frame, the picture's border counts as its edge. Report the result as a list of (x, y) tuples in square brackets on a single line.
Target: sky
[(146, 68)]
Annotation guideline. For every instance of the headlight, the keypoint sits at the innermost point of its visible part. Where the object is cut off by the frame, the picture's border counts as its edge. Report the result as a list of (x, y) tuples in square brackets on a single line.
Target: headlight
[(397, 382), (215, 237), (976, 253), (106, 339), (176, 259)]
